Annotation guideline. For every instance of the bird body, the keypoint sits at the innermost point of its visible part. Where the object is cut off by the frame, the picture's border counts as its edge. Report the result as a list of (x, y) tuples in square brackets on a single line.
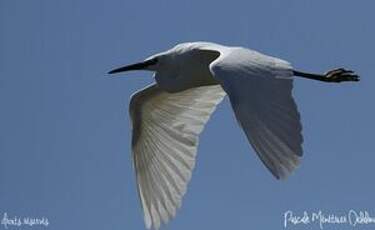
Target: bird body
[(189, 64), (191, 79)]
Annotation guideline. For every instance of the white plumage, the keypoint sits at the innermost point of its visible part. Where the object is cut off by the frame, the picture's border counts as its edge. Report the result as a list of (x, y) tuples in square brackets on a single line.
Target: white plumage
[(260, 91), (191, 79), (165, 141)]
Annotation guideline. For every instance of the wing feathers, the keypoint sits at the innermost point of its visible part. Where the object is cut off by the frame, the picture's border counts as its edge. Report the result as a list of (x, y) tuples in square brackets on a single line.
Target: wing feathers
[(260, 91), (165, 139)]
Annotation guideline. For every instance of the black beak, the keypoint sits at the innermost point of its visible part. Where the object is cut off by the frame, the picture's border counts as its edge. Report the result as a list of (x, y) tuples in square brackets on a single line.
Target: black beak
[(137, 66)]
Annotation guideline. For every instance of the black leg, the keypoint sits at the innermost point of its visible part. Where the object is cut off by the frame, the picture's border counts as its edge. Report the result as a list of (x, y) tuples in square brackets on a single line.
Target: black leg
[(335, 75)]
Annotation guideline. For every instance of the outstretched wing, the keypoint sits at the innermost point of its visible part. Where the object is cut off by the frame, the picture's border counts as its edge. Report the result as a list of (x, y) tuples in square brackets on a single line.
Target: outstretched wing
[(260, 91), (166, 127)]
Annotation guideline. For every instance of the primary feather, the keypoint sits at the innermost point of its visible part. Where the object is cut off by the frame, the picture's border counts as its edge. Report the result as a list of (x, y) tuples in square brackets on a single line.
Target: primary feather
[(165, 140)]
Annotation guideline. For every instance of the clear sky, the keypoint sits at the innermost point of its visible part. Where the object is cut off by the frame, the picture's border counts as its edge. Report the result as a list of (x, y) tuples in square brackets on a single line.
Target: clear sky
[(64, 124)]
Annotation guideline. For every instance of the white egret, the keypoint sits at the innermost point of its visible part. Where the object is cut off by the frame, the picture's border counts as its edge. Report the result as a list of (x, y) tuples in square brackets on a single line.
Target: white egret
[(191, 79)]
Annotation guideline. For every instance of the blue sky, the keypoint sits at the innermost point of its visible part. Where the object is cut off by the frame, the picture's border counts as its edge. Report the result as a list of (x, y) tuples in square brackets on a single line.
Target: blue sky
[(64, 136)]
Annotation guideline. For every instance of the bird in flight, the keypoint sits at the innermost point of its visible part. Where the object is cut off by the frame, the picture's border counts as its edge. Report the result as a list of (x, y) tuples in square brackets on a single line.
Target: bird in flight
[(191, 80)]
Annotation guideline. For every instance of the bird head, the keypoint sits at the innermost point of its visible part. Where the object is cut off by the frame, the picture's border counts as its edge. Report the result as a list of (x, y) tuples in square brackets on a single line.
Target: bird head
[(164, 61)]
